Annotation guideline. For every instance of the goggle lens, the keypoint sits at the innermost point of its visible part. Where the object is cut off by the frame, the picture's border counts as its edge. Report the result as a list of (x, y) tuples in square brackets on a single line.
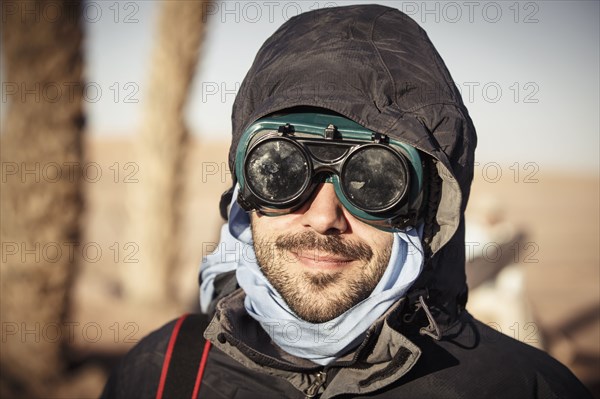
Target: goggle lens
[(374, 178), (277, 170)]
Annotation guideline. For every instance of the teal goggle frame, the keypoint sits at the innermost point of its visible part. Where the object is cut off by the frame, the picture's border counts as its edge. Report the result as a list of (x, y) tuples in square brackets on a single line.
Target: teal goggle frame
[(281, 160)]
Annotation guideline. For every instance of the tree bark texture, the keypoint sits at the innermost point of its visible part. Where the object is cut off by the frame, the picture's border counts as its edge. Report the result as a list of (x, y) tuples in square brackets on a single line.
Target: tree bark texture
[(156, 203), (41, 202)]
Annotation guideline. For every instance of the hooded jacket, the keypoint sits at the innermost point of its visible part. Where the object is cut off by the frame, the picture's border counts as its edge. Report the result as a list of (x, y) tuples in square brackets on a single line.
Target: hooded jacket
[(376, 66)]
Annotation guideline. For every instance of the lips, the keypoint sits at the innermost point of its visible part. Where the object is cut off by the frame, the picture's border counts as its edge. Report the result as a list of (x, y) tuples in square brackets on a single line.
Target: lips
[(322, 262)]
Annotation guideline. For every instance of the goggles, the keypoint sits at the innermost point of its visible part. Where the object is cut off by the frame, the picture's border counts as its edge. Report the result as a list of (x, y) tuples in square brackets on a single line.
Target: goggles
[(281, 160)]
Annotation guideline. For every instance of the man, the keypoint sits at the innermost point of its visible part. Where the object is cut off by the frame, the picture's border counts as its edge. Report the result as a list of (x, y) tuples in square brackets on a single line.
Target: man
[(353, 158)]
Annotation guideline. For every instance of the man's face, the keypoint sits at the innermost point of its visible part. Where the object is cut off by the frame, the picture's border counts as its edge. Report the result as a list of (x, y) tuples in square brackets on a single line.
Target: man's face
[(321, 259)]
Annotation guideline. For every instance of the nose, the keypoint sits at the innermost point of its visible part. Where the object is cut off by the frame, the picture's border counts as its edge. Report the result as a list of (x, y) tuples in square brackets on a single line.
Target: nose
[(324, 212)]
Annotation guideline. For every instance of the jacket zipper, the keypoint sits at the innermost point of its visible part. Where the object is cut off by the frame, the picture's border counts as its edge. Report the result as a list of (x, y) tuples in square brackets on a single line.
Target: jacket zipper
[(311, 391)]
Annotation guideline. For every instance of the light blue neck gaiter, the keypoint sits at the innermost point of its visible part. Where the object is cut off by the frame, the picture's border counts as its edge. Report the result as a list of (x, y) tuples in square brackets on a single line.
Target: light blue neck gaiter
[(321, 343)]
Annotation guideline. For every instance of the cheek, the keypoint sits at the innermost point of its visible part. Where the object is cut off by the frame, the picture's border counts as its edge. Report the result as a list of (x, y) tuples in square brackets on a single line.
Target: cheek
[(273, 225), (384, 242), (377, 239)]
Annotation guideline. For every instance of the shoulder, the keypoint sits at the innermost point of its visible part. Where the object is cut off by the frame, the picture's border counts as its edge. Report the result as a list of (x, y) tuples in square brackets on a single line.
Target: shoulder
[(517, 357), (478, 360), (530, 369), (138, 373)]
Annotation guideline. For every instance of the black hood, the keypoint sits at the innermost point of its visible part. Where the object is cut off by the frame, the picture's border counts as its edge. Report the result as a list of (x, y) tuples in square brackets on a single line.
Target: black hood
[(376, 66)]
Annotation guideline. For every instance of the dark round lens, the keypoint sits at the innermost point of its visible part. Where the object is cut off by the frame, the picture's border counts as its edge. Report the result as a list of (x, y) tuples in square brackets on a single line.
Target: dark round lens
[(374, 178), (276, 170)]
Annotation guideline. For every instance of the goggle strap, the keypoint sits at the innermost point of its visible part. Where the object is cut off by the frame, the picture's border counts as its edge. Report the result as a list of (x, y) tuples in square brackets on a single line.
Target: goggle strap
[(247, 206), (225, 201)]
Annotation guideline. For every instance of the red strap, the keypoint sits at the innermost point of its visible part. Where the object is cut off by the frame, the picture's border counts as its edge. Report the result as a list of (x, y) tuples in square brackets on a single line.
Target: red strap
[(201, 369), (167, 361)]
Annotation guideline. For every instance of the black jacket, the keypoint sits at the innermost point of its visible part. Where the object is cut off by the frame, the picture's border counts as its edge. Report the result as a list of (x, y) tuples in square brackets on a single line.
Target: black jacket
[(474, 361), (375, 66)]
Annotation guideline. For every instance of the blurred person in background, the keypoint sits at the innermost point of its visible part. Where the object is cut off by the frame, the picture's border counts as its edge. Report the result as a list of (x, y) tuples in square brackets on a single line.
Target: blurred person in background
[(341, 269)]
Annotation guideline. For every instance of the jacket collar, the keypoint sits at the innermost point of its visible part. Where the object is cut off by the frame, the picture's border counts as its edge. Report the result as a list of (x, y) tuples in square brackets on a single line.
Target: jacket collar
[(383, 357)]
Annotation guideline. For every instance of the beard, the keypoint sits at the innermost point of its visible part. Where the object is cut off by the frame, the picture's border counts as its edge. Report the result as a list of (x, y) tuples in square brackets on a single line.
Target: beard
[(319, 296)]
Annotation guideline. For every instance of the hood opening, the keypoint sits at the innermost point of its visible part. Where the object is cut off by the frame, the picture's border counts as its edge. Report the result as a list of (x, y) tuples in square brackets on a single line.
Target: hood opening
[(374, 65)]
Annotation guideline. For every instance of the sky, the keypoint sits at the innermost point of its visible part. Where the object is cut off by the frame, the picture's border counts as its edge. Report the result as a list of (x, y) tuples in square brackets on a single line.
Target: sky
[(528, 71)]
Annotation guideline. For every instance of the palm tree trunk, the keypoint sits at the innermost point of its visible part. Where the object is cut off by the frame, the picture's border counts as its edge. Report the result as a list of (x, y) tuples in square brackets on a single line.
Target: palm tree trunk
[(41, 151), (157, 198)]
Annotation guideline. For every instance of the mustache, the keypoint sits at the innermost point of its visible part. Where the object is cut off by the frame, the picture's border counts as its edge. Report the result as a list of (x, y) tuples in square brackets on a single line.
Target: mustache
[(331, 244)]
